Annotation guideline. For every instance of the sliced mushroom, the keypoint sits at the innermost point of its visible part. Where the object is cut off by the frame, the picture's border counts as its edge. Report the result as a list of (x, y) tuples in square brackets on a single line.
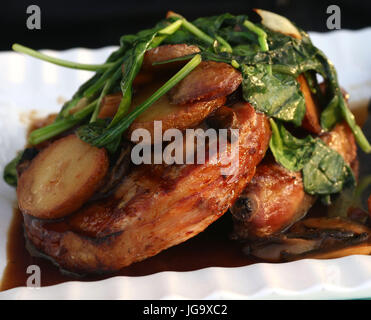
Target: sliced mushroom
[(272, 250), (335, 223), (320, 238)]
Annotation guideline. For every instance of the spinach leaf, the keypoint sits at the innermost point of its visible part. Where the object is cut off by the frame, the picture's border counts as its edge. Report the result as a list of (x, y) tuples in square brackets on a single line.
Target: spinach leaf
[(324, 170), (10, 171), (277, 95), (92, 131), (291, 152)]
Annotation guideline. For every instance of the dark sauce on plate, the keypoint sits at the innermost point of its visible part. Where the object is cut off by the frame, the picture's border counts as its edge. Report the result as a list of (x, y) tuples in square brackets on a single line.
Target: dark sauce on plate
[(211, 248)]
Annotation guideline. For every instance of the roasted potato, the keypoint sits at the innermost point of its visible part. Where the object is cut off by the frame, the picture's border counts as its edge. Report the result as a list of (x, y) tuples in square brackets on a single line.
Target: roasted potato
[(153, 208), (172, 115), (167, 52), (210, 80), (311, 118), (61, 178), (109, 105)]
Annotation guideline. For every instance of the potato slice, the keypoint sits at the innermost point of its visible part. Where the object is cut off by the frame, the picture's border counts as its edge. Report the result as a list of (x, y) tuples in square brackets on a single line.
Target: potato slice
[(109, 105), (311, 118), (209, 80), (167, 52), (61, 178), (171, 115)]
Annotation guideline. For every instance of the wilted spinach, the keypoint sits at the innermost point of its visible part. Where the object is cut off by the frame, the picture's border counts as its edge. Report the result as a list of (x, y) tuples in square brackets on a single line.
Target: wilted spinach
[(324, 170), (269, 62), (10, 170)]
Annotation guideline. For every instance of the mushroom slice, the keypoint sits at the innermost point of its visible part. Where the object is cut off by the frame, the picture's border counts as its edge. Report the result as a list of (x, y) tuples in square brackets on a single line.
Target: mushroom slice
[(335, 223), (319, 238), (363, 248), (278, 23), (271, 250), (210, 80), (61, 178)]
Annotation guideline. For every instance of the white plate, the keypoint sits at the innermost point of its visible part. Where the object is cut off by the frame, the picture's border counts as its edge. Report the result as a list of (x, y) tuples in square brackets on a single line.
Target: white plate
[(27, 84)]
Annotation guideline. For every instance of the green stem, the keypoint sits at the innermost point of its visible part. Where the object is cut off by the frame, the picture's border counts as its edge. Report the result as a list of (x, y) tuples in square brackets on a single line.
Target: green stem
[(134, 67), (100, 82), (262, 38), (224, 45), (193, 29), (40, 135), (112, 133), (357, 131), (107, 87), (64, 63), (167, 31)]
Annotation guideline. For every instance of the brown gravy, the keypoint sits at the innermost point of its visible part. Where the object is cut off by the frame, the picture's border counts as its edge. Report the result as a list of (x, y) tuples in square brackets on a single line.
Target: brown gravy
[(211, 248)]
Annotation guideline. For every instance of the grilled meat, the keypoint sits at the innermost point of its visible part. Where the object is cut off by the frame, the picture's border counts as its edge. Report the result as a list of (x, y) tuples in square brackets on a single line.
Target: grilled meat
[(275, 198), (153, 208)]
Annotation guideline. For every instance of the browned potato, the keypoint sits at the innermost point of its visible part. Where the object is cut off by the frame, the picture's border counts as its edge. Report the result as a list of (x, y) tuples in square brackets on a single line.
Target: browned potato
[(109, 105), (311, 118), (210, 80), (167, 52), (61, 178), (171, 115)]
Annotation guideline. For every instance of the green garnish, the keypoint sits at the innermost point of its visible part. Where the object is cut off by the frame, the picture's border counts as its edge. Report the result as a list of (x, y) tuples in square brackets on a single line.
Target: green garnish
[(60, 62), (269, 62)]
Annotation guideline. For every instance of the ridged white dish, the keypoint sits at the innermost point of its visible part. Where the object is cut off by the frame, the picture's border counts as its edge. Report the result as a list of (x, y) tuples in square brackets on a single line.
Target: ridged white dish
[(27, 84)]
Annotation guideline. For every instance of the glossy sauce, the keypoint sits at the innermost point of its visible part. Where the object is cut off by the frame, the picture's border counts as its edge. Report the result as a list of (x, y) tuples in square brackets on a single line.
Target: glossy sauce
[(211, 248)]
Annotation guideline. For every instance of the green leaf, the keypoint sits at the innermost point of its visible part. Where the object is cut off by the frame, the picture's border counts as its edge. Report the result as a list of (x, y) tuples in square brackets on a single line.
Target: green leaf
[(10, 171), (277, 95), (289, 151), (100, 136), (324, 170)]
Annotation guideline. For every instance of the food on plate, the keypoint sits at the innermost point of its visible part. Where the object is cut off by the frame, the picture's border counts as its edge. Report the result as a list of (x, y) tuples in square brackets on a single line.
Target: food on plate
[(275, 198), (61, 178), (186, 122), (153, 207)]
